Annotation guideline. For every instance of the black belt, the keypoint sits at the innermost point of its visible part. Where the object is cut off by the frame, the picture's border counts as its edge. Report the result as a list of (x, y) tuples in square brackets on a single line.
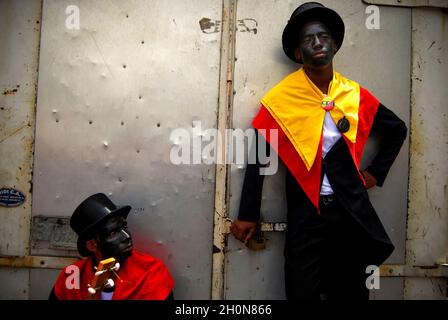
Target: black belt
[(325, 200)]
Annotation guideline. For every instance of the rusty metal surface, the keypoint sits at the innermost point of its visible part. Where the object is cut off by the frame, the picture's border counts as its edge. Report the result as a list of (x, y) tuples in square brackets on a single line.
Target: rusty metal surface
[(36, 262), (220, 220), (109, 96), (19, 38), (427, 233), (19, 49), (55, 232), (41, 282), (258, 275)]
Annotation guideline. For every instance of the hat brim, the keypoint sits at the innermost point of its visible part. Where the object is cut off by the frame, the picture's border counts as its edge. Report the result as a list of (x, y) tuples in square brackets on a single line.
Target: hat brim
[(86, 235), (322, 14)]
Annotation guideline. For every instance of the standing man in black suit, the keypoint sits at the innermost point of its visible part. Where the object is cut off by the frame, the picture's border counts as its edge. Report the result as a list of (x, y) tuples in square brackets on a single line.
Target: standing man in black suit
[(323, 121)]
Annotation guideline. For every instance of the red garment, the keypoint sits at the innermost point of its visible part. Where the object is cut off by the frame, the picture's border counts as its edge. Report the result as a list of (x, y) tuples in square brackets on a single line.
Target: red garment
[(141, 277)]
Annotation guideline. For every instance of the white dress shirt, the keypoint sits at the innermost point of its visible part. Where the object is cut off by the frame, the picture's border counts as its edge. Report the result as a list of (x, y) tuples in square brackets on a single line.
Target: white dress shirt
[(331, 136)]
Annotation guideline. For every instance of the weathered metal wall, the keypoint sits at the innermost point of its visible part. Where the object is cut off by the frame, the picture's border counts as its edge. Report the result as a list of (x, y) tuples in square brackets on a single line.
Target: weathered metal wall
[(19, 49), (427, 243), (380, 61), (111, 92), (109, 96)]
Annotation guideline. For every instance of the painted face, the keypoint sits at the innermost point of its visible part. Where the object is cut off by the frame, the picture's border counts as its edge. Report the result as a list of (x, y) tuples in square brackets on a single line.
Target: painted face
[(317, 47), (114, 238)]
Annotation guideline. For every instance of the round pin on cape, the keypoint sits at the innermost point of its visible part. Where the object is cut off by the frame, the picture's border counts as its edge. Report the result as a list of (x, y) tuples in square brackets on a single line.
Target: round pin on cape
[(327, 104), (343, 125)]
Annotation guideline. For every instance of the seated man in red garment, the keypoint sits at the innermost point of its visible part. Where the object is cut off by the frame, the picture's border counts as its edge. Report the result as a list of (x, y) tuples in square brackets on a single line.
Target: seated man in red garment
[(102, 233)]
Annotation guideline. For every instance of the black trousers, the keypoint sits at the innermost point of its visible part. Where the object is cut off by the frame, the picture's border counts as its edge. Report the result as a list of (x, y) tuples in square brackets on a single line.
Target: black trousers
[(325, 260)]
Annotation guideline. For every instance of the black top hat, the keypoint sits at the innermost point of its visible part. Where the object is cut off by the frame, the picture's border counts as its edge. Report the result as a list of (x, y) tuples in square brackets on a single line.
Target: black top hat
[(89, 214), (311, 11)]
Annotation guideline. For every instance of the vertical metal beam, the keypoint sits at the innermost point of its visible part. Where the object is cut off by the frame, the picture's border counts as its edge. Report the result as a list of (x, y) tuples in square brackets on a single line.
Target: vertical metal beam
[(427, 228), (222, 168)]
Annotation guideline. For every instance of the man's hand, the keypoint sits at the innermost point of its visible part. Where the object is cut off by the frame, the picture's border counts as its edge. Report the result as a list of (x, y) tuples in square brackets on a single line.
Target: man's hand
[(243, 230), (369, 179)]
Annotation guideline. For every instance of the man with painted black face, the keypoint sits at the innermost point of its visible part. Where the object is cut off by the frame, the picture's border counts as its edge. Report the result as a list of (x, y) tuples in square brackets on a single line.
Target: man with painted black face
[(323, 121), (103, 233)]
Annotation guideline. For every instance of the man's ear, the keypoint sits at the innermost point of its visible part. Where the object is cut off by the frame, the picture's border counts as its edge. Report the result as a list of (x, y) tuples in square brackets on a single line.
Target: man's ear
[(92, 245), (335, 46), (297, 53)]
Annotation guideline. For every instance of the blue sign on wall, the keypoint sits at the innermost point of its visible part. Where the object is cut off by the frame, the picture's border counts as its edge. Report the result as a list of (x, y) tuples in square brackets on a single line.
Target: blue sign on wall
[(11, 198)]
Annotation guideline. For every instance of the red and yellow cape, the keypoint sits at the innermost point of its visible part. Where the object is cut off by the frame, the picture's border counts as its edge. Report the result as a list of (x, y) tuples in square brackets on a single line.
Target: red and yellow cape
[(141, 277), (295, 107)]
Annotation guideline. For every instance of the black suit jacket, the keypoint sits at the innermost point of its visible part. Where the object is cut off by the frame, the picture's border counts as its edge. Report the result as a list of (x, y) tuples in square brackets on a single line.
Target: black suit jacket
[(346, 184)]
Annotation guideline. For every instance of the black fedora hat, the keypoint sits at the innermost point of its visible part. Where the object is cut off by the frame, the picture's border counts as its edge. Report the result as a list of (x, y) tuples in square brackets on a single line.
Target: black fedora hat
[(90, 213), (311, 11)]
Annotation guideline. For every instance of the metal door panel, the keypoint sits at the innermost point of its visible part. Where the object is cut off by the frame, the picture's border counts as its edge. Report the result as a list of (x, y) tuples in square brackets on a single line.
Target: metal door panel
[(380, 61), (111, 93), (109, 96), (19, 49)]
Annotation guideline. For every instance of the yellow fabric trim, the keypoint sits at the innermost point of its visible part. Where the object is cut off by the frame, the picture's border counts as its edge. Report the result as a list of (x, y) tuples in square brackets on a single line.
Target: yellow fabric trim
[(295, 103)]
